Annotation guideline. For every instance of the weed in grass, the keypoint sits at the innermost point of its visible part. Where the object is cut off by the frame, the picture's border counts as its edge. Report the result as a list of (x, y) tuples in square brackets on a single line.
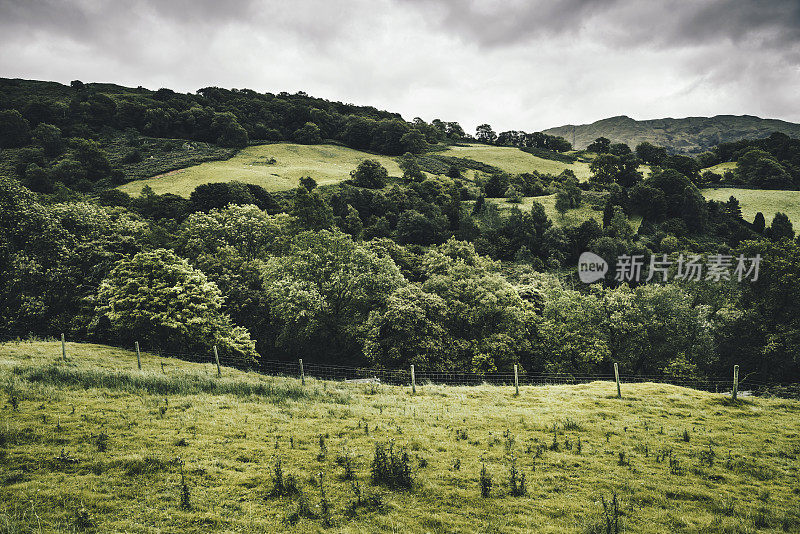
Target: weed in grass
[(571, 425), (345, 460), (707, 457), (181, 442), (486, 482), (81, 520), (685, 436), (324, 504), (303, 510), (101, 441), (390, 468), (185, 496), (323, 449), (611, 515), (579, 446), (278, 486), (457, 464), (516, 479)]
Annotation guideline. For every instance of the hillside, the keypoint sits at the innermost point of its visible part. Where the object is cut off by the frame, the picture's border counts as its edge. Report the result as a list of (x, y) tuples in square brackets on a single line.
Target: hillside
[(93, 444), (768, 202), (327, 164), (330, 164), (690, 135)]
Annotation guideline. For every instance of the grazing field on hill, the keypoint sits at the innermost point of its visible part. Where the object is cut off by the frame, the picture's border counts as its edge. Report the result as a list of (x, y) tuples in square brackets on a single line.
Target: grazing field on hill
[(327, 164), (721, 168), (767, 201), (515, 161), (572, 217), (95, 444)]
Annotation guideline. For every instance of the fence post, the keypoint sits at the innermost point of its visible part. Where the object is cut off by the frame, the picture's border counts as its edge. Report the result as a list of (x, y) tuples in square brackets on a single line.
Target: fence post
[(138, 357), (413, 380), (302, 374), (63, 348), (216, 358), (516, 379), (616, 375), (735, 382)]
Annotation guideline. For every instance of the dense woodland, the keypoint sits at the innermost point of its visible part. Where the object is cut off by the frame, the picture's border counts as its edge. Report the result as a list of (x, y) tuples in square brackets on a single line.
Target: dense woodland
[(379, 270)]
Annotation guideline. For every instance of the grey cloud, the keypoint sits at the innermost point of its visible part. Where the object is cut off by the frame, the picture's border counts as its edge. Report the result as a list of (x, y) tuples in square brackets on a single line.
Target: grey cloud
[(616, 23)]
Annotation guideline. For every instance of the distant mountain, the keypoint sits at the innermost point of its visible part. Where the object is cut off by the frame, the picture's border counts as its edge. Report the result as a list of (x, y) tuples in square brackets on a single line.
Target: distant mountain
[(688, 136)]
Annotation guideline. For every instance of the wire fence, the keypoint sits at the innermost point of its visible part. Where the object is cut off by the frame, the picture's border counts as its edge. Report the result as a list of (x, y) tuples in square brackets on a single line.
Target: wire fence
[(299, 368)]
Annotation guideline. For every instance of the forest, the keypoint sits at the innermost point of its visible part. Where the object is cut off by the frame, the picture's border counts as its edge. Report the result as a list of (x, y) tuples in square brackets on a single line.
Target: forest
[(380, 270)]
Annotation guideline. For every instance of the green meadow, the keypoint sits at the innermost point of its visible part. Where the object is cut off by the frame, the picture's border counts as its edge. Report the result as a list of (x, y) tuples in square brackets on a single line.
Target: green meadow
[(515, 161), (572, 217), (767, 201), (327, 164), (93, 444)]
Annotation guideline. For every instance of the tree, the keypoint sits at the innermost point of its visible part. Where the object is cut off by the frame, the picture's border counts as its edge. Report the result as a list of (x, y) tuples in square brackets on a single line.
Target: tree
[(485, 134), (514, 194), (370, 174), (410, 167), (308, 182), (206, 197), (562, 202), (309, 134), (759, 168), (733, 208), (651, 154), (414, 141), (415, 228), (321, 295), (601, 145), (138, 301), (310, 210), (605, 168), (409, 331), (781, 228), (759, 223), (49, 138), (14, 129)]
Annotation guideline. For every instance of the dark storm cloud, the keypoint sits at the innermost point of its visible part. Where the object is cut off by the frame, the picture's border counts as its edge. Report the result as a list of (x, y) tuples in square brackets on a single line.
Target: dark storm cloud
[(614, 22), (514, 63)]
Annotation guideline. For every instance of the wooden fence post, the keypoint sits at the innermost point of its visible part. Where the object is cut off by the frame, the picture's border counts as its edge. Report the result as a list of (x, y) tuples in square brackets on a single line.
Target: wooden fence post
[(216, 358), (516, 379), (302, 374), (616, 375), (138, 357), (735, 391), (413, 381)]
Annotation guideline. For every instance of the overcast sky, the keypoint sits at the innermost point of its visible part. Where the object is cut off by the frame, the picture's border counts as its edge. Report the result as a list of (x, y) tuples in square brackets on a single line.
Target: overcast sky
[(525, 65)]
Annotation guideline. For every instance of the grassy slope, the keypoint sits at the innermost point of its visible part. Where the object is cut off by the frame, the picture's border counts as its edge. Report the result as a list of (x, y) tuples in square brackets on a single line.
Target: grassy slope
[(327, 164), (764, 200), (572, 217), (720, 168), (233, 438), (516, 161)]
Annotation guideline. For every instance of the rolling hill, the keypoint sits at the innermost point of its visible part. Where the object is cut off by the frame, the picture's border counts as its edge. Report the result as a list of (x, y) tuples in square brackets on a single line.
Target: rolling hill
[(690, 135)]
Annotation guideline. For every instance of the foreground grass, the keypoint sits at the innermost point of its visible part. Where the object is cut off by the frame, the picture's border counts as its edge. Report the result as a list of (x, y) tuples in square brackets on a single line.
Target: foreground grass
[(327, 164), (767, 201), (95, 444)]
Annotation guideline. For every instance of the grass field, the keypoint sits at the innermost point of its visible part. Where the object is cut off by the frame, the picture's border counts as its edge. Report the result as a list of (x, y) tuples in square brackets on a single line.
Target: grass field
[(572, 217), (94, 444), (721, 168), (327, 164), (767, 201), (516, 161)]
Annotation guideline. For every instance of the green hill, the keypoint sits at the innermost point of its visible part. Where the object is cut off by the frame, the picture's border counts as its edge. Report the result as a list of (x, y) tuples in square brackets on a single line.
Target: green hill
[(327, 164), (93, 444), (767, 201), (690, 135)]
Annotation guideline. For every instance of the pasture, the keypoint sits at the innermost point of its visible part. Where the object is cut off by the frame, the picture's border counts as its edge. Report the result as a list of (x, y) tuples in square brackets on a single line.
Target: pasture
[(767, 201), (327, 164), (515, 161), (93, 444)]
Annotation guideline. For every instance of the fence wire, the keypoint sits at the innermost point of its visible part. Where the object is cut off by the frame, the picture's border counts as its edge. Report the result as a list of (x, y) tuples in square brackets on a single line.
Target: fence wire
[(292, 368)]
